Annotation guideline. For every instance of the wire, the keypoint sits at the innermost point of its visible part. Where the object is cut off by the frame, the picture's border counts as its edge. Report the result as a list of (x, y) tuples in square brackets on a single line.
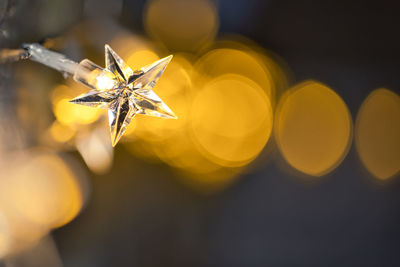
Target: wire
[(12, 55)]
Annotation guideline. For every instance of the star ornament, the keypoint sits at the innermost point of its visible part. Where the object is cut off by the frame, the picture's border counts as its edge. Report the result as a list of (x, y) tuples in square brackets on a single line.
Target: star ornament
[(124, 92)]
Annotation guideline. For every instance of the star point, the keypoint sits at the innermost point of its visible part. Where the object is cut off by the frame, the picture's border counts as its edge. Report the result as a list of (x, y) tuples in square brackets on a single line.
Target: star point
[(125, 92)]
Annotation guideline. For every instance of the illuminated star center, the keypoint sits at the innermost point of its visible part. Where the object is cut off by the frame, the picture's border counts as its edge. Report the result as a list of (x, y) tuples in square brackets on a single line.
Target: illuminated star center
[(124, 92)]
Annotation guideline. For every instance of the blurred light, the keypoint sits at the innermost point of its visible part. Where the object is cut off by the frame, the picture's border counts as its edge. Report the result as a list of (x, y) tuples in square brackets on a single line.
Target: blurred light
[(18, 230), (46, 191), (68, 113), (175, 89), (141, 58), (127, 43), (61, 133), (224, 107), (171, 141), (105, 81), (227, 60), (313, 128), (43, 253), (181, 25), (231, 120), (38, 192), (209, 182), (377, 134), (4, 236), (96, 149)]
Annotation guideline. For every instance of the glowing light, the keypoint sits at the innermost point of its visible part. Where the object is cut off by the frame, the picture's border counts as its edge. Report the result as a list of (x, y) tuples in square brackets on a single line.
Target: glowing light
[(132, 95), (96, 150), (45, 191), (313, 128), (223, 102), (38, 192), (231, 120), (105, 81), (175, 87), (141, 58), (68, 113), (377, 134), (226, 60), (181, 25), (61, 133), (4, 236)]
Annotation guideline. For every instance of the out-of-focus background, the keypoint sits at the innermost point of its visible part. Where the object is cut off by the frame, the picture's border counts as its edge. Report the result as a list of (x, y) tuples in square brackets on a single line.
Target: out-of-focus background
[(286, 150)]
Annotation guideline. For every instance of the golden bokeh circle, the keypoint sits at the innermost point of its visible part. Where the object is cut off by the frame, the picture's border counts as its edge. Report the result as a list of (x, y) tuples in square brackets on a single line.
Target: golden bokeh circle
[(222, 61), (231, 120), (313, 128), (45, 191), (181, 25), (377, 134)]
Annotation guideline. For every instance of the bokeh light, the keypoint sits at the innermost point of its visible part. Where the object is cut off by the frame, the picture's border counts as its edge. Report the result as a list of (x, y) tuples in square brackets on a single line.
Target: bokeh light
[(96, 149), (228, 60), (181, 25), (175, 89), (45, 191), (231, 120), (60, 132), (224, 104), (4, 236), (40, 192), (377, 133), (82, 127), (313, 128), (68, 113)]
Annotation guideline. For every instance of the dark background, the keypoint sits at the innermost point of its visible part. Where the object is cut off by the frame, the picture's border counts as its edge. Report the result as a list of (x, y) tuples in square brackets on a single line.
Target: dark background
[(139, 215)]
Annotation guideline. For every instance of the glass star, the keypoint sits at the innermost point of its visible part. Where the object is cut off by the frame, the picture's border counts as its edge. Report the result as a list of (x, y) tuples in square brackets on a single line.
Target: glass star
[(122, 91)]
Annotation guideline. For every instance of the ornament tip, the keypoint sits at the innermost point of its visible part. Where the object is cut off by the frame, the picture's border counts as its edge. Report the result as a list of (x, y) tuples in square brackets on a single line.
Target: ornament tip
[(114, 141)]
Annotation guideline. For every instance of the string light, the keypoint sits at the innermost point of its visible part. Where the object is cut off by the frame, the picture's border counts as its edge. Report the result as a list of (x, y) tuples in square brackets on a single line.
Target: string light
[(117, 88)]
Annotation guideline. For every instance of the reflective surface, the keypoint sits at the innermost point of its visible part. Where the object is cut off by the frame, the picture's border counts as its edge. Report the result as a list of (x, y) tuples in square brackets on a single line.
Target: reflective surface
[(125, 92)]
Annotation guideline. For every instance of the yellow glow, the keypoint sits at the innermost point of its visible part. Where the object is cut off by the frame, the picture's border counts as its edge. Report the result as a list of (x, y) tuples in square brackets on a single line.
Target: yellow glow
[(71, 114), (142, 58), (170, 140), (105, 81), (61, 133), (4, 236), (224, 109), (181, 25), (209, 182), (231, 120), (175, 89), (45, 191), (16, 231), (377, 133), (96, 149), (60, 92), (127, 43), (226, 60), (313, 128), (37, 192)]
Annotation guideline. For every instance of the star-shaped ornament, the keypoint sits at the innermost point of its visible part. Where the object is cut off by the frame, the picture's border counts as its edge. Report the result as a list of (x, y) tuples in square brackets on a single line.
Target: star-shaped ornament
[(124, 92)]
